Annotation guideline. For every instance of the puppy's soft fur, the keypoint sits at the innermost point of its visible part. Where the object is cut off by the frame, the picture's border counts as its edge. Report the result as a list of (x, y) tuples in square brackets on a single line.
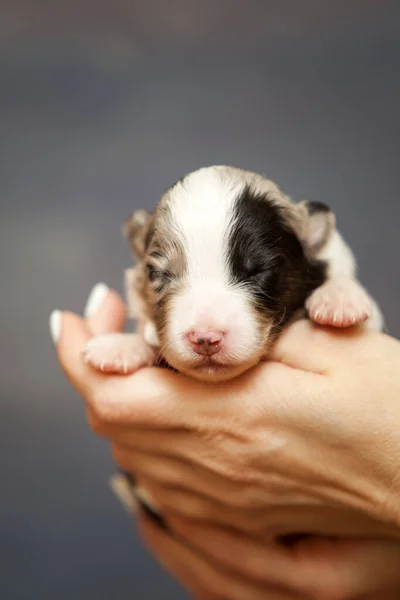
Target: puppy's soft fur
[(225, 262)]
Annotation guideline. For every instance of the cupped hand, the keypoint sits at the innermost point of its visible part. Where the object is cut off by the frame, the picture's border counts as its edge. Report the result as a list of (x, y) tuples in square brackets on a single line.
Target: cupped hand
[(308, 441), (215, 563)]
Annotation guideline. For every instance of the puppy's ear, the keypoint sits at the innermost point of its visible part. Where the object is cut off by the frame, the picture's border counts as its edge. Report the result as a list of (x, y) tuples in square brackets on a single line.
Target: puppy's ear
[(320, 222), (136, 230)]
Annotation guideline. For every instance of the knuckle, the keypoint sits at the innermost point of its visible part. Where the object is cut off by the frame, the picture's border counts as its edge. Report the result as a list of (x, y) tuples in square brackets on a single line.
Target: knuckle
[(226, 455), (231, 473), (224, 465), (236, 471)]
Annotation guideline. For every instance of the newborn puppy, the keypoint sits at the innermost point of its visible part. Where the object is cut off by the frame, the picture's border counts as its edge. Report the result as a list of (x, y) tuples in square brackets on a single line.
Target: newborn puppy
[(225, 262)]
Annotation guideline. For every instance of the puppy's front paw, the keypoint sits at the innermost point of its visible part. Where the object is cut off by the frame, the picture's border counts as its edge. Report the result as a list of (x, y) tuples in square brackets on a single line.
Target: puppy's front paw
[(118, 353), (339, 303)]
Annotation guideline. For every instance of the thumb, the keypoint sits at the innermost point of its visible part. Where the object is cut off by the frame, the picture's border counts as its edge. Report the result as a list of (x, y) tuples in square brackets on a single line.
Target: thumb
[(150, 397), (70, 334), (310, 347), (105, 311)]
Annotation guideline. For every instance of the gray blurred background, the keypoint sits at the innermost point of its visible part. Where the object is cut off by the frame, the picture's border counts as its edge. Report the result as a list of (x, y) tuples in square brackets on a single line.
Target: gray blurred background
[(104, 104)]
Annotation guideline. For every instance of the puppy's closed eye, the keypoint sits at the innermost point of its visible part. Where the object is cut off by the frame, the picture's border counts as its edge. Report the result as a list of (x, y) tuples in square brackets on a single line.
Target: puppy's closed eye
[(159, 278), (152, 272)]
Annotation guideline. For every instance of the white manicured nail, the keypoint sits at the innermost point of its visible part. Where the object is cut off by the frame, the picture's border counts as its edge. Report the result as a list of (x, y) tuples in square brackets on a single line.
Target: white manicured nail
[(96, 298), (146, 498), (123, 492), (55, 325)]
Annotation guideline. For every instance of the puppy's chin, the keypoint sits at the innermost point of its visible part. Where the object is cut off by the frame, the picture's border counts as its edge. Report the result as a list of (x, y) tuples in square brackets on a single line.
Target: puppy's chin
[(213, 372)]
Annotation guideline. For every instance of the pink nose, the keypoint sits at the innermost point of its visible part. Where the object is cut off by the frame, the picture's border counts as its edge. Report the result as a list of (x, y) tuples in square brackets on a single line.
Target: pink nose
[(206, 342)]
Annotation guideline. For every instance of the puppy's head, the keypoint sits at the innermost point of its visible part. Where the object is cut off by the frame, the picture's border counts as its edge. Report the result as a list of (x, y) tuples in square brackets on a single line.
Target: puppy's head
[(227, 260)]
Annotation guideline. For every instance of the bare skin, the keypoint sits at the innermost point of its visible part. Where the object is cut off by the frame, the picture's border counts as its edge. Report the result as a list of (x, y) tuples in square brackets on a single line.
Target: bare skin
[(306, 442)]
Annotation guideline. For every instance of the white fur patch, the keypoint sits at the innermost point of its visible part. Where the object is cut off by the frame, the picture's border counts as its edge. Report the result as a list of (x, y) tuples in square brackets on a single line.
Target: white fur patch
[(150, 334), (339, 257), (203, 209)]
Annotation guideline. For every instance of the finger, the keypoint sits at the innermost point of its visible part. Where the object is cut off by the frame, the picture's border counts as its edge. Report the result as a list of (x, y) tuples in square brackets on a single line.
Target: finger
[(199, 476), (199, 576), (107, 397), (190, 469), (350, 568), (346, 567), (215, 481), (189, 505), (73, 337), (310, 347), (272, 521), (150, 397), (249, 556), (105, 311), (209, 489)]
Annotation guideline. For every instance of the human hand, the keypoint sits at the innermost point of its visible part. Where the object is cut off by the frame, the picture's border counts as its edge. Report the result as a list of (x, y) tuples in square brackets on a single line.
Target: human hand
[(215, 563), (301, 443)]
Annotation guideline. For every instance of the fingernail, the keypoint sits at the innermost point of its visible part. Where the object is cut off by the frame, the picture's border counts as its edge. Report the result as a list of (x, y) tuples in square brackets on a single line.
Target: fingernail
[(123, 491), (146, 498), (55, 325), (96, 298)]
